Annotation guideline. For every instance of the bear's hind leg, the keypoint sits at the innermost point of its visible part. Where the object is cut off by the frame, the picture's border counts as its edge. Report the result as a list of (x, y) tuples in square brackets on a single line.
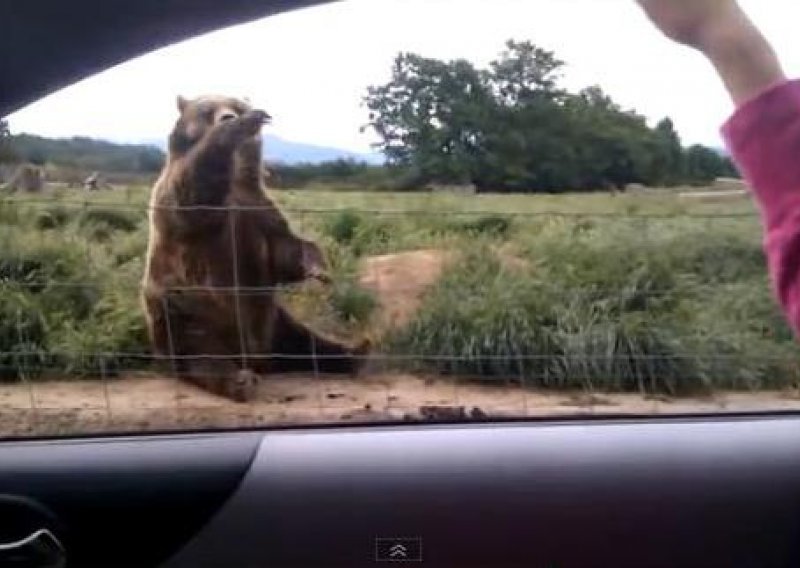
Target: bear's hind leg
[(304, 350), (222, 378), (204, 355)]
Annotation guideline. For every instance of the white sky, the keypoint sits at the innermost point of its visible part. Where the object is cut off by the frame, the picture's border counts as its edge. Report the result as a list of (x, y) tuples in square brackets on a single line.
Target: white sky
[(310, 68)]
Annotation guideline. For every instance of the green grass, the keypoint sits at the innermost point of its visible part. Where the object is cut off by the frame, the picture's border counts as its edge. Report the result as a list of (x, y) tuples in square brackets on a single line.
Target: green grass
[(641, 293)]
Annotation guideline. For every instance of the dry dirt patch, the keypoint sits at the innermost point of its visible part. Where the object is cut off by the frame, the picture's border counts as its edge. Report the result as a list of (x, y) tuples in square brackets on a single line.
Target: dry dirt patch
[(400, 280)]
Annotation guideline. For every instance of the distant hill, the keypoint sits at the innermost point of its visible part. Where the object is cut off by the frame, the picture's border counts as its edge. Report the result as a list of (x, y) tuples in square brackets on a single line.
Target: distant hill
[(277, 149), (147, 156)]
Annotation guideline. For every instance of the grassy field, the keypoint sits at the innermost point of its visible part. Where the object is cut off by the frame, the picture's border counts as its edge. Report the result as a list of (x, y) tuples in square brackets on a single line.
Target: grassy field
[(635, 293)]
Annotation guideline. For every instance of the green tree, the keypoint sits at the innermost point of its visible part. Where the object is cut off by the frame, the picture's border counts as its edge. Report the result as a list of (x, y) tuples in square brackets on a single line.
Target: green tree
[(527, 148), (429, 116), (525, 73), (149, 160), (704, 165), (512, 127), (615, 147), (37, 156), (668, 167), (523, 131), (729, 169)]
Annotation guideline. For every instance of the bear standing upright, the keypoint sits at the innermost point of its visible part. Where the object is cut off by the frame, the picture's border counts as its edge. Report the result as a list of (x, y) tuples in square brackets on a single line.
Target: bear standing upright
[(217, 249)]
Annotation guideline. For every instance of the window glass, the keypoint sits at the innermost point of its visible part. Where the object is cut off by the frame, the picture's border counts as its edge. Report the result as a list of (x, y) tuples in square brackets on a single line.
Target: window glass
[(484, 210)]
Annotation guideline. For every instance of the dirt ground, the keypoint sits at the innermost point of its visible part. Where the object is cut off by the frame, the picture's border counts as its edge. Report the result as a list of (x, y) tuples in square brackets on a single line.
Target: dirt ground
[(399, 282), (146, 403)]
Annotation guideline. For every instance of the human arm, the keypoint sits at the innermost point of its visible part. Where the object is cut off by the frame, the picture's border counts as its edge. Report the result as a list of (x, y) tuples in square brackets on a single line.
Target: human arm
[(763, 135)]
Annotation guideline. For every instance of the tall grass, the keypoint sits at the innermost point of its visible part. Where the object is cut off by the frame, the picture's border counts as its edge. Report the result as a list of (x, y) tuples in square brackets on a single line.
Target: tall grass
[(679, 308), (68, 306), (614, 293)]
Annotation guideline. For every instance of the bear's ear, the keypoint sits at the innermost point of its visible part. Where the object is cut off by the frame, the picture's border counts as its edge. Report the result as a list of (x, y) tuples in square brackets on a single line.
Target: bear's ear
[(182, 103)]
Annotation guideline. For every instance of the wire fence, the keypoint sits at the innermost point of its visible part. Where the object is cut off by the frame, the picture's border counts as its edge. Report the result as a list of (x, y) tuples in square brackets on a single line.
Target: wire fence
[(639, 295), (388, 211)]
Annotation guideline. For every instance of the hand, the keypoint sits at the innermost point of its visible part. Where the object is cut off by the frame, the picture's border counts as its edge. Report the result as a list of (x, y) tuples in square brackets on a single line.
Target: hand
[(314, 265), (695, 23), (231, 133), (253, 120), (721, 30)]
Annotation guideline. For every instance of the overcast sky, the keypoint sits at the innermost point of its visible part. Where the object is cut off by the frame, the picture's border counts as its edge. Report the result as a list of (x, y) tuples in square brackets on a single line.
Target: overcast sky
[(310, 68)]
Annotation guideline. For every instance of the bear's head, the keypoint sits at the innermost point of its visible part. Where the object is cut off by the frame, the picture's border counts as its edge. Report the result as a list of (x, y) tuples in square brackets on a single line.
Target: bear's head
[(197, 117)]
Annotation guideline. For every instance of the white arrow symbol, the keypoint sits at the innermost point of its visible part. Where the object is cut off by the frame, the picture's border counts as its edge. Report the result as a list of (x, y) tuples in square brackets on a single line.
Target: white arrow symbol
[(398, 550)]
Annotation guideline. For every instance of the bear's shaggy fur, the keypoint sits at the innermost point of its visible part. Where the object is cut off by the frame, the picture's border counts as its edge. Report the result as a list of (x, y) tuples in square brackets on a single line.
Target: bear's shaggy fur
[(218, 247)]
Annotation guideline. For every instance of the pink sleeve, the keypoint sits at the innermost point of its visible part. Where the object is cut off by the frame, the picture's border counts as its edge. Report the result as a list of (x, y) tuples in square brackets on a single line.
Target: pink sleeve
[(763, 137)]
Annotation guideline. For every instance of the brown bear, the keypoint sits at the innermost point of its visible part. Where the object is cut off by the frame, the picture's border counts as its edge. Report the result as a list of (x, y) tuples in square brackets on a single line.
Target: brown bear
[(218, 248)]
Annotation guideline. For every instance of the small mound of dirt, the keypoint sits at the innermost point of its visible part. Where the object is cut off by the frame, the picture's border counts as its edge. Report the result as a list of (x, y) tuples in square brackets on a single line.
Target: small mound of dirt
[(400, 280)]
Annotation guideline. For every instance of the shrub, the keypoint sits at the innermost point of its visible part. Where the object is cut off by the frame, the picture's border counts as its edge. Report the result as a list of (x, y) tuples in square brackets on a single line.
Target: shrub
[(10, 213), (111, 340), (35, 267), (371, 237), (719, 257), (352, 303), (494, 225), (109, 218), (55, 298), (22, 334), (51, 218), (342, 226), (488, 225)]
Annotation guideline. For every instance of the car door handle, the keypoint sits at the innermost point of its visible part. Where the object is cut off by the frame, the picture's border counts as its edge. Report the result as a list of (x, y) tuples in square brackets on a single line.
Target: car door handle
[(39, 550)]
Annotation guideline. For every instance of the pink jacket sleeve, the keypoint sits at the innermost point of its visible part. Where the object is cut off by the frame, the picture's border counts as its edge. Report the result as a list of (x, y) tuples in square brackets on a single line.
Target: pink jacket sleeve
[(763, 137)]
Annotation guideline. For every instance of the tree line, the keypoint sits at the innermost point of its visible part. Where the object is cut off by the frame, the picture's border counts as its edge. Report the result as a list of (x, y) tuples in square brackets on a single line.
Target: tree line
[(510, 126), (81, 153), (513, 127)]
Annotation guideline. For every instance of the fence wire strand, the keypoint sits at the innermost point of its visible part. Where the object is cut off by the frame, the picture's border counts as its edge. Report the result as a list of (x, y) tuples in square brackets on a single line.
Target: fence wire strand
[(386, 212)]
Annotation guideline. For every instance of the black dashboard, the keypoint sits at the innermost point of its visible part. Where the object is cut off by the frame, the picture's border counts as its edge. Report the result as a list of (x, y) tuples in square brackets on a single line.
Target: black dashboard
[(691, 492)]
